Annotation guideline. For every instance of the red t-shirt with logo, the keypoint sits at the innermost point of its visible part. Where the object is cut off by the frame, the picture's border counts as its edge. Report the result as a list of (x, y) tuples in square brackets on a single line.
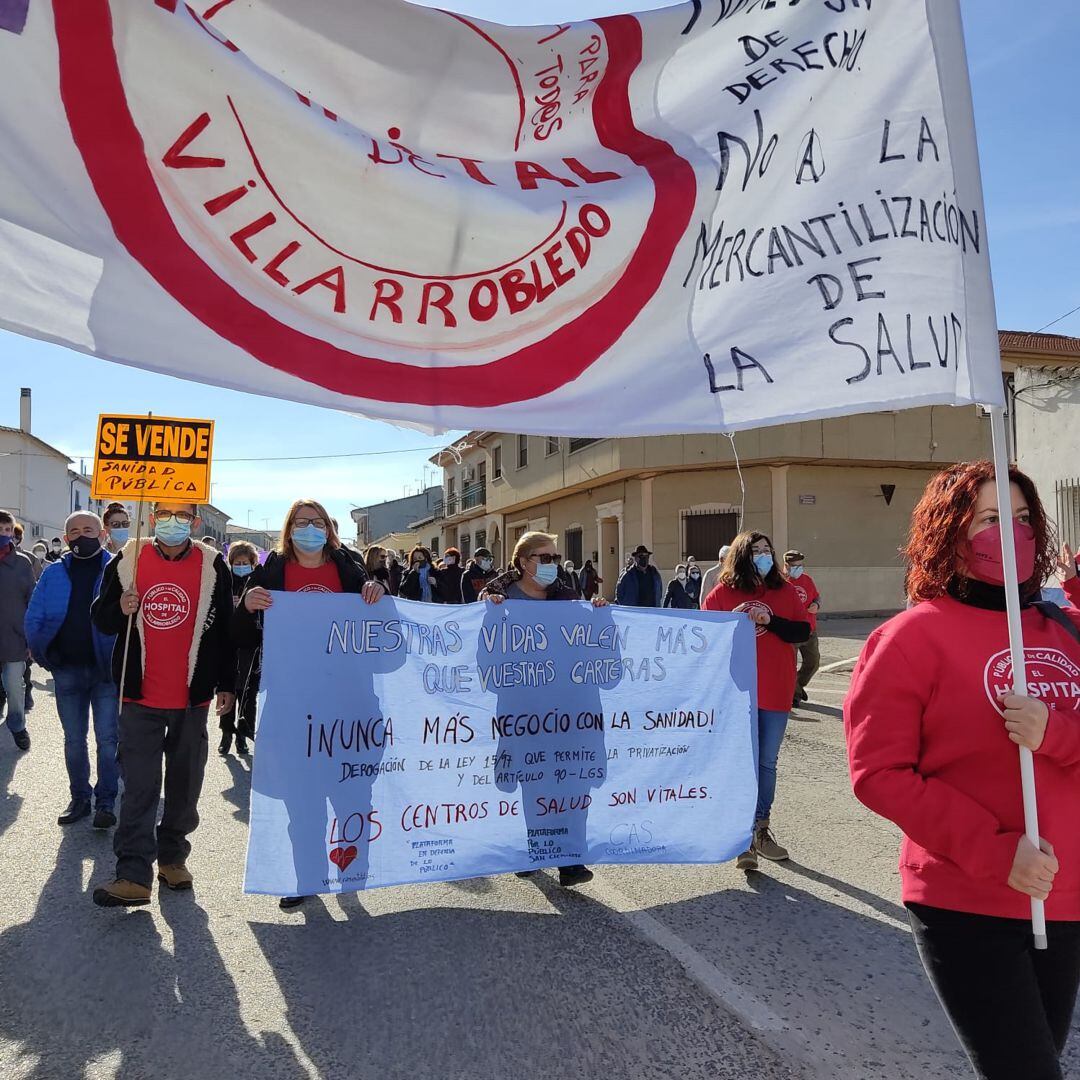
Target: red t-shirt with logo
[(928, 750), (324, 579), (775, 657), (808, 594), (169, 591)]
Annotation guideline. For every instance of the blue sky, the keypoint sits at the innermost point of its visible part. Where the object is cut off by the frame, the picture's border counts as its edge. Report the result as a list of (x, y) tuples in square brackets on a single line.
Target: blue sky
[(1023, 79)]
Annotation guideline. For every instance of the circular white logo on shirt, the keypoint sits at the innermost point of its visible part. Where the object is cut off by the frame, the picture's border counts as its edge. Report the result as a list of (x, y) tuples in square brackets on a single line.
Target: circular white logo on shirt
[(1052, 677), (756, 607), (801, 590), (165, 606), (314, 588)]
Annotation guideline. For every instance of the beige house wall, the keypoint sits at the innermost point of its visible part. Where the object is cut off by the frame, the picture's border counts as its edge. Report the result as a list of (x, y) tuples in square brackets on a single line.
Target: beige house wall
[(850, 536), (622, 492)]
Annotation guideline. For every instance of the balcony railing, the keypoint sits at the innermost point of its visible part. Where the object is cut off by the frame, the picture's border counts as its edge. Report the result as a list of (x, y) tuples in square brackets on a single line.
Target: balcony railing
[(472, 496)]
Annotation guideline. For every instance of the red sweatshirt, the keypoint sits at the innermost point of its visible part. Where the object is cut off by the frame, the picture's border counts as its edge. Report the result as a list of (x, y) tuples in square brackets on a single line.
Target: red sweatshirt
[(775, 657), (928, 750), (808, 594)]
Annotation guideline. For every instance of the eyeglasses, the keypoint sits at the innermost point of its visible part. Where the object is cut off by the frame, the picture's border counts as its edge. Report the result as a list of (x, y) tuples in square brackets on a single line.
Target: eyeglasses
[(181, 515), (546, 559), (304, 522), (121, 524)]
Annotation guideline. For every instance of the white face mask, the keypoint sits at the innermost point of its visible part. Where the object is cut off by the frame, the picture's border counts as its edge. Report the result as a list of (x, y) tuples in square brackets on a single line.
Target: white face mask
[(450, 560), (795, 571)]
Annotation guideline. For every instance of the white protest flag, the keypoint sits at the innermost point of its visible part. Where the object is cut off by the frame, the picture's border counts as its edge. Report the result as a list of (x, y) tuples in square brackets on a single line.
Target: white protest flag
[(714, 216)]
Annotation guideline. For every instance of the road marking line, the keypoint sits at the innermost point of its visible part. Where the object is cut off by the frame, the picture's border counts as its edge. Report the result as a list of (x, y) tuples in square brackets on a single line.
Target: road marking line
[(752, 1010), (839, 664)]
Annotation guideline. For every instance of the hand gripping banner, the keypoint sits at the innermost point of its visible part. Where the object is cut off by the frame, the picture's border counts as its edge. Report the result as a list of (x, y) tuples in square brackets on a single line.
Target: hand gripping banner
[(718, 215)]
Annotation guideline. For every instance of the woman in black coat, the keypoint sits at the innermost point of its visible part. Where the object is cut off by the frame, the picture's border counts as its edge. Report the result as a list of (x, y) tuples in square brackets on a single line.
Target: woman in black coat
[(310, 559), (422, 581)]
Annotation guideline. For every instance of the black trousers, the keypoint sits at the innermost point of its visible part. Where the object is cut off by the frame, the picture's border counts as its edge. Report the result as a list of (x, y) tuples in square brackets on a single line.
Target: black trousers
[(149, 737), (247, 689), (1010, 1004)]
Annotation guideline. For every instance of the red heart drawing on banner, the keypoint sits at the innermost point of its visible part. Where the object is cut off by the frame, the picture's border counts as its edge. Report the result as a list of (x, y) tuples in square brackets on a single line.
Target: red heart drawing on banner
[(342, 856)]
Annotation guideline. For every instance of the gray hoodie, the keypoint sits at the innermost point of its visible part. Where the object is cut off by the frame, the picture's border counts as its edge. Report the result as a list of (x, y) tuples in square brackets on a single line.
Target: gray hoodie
[(16, 585)]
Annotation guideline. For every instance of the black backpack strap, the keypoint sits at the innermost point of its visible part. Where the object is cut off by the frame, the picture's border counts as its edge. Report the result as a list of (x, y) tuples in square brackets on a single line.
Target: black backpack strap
[(1051, 611)]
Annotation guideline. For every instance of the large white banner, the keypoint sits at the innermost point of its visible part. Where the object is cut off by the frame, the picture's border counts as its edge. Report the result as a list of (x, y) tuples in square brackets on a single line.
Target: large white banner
[(719, 215)]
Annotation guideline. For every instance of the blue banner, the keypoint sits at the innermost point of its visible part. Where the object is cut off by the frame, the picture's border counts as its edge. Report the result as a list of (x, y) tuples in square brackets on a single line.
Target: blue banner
[(403, 742)]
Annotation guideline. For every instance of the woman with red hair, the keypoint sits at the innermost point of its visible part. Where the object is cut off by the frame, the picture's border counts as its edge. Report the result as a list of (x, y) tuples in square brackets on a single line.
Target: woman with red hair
[(932, 728)]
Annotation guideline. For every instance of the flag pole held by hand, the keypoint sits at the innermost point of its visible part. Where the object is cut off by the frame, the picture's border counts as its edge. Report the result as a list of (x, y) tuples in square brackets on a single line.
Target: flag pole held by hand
[(1016, 646), (135, 585)]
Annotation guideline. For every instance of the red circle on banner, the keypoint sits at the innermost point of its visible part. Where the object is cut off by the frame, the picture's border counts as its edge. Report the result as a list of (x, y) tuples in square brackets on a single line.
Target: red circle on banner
[(112, 149)]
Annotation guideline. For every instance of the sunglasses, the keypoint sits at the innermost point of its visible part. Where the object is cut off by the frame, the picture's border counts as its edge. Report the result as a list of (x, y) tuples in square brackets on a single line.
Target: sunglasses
[(547, 559)]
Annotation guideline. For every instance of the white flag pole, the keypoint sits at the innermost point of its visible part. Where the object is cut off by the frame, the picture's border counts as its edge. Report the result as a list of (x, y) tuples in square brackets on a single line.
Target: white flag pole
[(1016, 644)]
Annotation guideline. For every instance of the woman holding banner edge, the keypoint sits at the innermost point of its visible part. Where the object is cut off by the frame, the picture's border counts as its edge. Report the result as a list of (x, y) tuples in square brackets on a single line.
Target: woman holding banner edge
[(933, 727), (310, 558), (751, 582), (534, 575)]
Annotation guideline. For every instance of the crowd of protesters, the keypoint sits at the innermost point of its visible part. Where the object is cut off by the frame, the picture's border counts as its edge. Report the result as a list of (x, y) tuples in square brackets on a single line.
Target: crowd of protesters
[(143, 636)]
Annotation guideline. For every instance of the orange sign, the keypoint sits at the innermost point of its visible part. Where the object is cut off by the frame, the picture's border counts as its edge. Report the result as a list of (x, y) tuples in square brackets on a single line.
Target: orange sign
[(147, 458)]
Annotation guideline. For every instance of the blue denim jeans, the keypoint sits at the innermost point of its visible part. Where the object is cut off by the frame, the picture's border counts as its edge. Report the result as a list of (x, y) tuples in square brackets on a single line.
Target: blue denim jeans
[(771, 728), (80, 690), (11, 674)]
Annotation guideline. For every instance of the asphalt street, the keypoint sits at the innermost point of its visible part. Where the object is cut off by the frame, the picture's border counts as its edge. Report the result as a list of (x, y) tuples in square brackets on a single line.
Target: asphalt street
[(804, 970)]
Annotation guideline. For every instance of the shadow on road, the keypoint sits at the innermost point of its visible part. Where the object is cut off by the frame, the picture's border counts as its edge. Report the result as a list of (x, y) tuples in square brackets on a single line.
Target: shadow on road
[(872, 900), (78, 983), (239, 795), (10, 803), (850, 985), (450, 994), (825, 710)]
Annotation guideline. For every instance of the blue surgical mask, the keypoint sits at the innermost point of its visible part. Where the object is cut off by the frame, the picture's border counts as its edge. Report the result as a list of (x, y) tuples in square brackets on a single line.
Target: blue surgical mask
[(309, 539), (119, 536), (546, 574), (485, 565), (795, 571), (243, 569), (763, 563), (6, 541), (172, 533)]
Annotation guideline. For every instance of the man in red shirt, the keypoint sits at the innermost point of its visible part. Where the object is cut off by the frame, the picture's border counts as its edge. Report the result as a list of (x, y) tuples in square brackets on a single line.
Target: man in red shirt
[(808, 652), (175, 594)]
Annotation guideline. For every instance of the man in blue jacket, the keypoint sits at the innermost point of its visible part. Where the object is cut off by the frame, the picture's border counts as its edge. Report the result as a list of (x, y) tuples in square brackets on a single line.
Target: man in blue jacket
[(63, 640), (640, 584)]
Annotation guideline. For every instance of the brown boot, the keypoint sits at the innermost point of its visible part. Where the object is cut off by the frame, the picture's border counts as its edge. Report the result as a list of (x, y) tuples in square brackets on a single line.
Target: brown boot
[(747, 860), (175, 875), (764, 843), (121, 893)]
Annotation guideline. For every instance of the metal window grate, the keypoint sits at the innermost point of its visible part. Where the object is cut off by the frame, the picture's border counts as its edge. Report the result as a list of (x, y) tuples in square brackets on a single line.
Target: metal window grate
[(573, 546), (1067, 498), (707, 531)]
